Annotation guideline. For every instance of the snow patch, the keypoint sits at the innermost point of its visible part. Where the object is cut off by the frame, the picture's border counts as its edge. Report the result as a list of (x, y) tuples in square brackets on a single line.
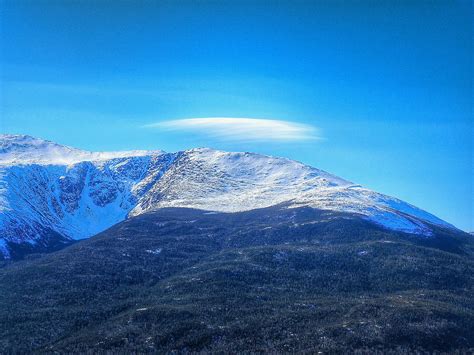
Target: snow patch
[(154, 251), (4, 249)]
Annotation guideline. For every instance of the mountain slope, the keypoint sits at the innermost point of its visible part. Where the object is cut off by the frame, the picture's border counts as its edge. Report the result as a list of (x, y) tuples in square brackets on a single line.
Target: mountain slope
[(51, 195), (268, 280)]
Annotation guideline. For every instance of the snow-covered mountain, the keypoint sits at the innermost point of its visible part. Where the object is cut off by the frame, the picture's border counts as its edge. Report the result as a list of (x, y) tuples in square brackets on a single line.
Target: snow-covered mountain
[(49, 190)]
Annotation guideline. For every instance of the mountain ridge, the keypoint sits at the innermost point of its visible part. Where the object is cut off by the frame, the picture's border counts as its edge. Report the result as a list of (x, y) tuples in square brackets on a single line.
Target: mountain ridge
[(31, 150)]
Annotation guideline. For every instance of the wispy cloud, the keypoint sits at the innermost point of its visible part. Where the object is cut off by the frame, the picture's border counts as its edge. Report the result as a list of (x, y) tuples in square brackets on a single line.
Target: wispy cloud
[(242, 129)]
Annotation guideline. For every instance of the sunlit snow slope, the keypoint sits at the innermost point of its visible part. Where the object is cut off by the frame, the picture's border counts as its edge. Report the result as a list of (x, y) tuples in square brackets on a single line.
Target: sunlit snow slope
[(46, 188)]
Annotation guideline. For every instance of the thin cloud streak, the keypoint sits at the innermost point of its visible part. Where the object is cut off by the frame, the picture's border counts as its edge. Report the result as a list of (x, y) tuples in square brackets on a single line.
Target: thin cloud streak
[(242, 129)]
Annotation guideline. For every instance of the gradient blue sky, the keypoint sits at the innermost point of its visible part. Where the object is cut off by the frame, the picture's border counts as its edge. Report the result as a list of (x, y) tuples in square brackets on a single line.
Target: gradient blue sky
[(388, 84)]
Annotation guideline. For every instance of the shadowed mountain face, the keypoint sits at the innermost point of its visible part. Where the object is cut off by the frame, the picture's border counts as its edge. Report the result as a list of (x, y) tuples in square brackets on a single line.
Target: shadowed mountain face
[(274, 279)]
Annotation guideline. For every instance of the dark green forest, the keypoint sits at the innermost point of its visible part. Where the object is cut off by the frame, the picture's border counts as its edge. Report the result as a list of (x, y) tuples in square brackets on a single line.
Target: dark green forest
[(271, 280)]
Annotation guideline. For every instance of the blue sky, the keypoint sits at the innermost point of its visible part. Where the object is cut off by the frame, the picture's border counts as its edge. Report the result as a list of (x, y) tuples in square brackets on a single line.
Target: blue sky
[(379, 91)]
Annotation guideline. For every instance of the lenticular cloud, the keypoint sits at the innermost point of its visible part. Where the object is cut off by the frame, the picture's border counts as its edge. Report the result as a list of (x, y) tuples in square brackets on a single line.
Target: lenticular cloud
[(249, 129)]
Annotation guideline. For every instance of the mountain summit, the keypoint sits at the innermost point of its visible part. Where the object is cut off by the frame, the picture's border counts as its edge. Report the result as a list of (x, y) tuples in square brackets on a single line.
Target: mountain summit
[(52, 194)]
